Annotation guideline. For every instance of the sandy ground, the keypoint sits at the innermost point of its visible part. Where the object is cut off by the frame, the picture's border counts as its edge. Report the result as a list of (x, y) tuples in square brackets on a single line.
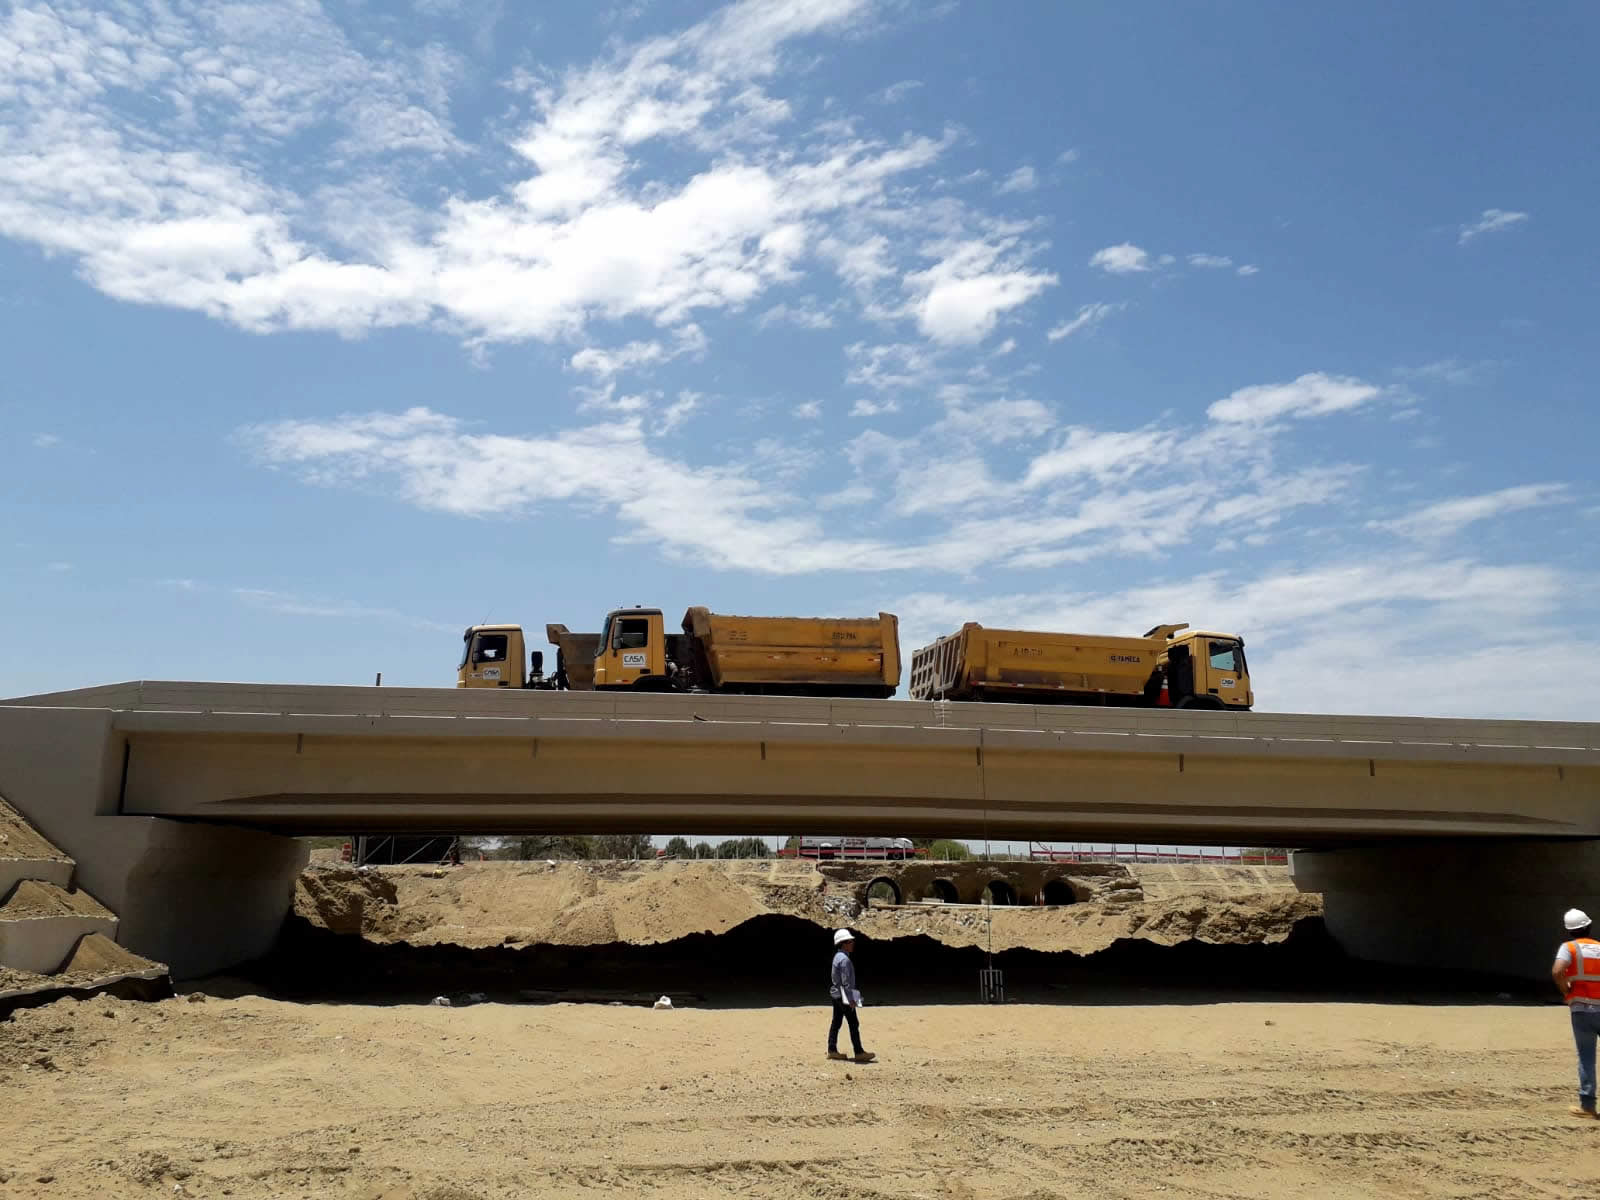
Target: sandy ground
[(253, 1097)]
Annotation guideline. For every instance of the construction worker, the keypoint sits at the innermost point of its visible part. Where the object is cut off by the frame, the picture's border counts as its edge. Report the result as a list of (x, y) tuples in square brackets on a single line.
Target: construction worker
[(846, 997), (1577, 974)]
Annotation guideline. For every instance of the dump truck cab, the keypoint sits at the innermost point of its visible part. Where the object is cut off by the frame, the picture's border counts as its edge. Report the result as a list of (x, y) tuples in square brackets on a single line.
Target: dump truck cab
[(633, 650), (492, 656), (1204, 668)]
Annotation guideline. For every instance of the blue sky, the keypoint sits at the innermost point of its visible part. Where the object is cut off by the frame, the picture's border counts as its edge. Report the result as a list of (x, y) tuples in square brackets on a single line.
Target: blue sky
[(330, 330)]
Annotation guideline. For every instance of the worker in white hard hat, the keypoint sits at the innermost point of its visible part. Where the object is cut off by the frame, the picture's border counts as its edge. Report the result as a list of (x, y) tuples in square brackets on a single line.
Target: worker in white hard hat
[(846, 997), (1577, 974)]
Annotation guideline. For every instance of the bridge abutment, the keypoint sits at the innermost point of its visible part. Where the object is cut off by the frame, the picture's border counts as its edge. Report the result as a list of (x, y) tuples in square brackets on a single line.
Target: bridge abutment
[(200, 898), (1481, 905)]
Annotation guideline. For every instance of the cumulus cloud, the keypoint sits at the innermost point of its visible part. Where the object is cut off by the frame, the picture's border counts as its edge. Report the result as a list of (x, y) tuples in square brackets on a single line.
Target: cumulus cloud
[(964, 294), (1491, 220), (148, 146), (1122, 259)]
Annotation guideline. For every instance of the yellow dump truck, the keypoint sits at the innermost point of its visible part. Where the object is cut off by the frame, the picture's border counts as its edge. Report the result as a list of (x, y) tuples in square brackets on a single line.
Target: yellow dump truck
[(493, 656), (1193, 669), (778, 656)]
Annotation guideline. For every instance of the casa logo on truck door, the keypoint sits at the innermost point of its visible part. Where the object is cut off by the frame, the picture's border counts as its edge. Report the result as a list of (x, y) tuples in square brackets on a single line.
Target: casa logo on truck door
[(632, 659)]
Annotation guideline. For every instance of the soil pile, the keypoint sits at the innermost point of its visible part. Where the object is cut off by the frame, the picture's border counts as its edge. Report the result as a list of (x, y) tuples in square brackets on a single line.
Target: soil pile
[(19, 840), (483, 905)]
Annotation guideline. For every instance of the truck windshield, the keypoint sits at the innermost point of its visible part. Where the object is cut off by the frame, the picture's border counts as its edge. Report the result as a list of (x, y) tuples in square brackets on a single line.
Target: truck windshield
[(490, 648), (1227, 656)]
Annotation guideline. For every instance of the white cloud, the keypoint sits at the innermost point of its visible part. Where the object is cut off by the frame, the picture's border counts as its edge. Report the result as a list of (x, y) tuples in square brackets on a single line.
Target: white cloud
[(605, 363), (964, 294), (897, 92), (1216, 261), (1249, 269), (1086, 493), (1448, 517), (1122, 259), (1087, 317), (1023, 179), (180, 199), (806, 313), (679, 411), (1491, 220), (1312, 395), (1447, 370)]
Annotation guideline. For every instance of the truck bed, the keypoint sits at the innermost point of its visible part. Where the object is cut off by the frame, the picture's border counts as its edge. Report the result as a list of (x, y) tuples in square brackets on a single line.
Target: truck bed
[(975, 663), (798, 655)]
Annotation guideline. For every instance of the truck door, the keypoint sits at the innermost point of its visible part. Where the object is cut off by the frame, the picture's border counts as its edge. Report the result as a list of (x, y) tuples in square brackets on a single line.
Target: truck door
[(490, 658), (1221, 672), (631, 649)]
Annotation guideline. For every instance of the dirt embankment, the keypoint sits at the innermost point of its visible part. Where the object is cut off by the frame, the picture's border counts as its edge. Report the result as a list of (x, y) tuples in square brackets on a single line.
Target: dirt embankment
[(480, 905)]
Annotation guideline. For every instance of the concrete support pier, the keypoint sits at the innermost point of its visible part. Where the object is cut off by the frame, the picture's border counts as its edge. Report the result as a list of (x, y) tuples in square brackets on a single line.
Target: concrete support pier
[(1482, 905), (200, 898)]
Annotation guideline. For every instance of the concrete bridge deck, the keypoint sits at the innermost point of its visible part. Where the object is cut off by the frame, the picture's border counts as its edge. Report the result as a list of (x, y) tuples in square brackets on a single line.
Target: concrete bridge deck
[(312, 759)]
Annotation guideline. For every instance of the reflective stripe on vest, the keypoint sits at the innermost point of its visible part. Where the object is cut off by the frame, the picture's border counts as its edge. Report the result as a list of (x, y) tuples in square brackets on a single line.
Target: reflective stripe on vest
[(1584, 971)]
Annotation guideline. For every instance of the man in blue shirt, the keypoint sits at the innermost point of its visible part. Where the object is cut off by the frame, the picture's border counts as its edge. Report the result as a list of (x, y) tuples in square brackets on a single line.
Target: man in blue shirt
[(846, 997)]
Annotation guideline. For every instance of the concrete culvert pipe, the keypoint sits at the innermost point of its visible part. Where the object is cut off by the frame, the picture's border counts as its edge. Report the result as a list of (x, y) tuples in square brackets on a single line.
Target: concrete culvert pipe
[(1057, 891), (943, 891), (884, 890), (998, 891)]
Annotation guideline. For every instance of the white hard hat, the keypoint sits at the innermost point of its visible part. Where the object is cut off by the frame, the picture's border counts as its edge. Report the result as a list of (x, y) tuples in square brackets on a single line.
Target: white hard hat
[(841, 936), (1576, 918)]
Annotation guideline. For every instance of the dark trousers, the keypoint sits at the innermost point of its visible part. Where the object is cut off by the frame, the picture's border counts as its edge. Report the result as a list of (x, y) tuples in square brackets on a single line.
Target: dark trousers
[(841, 1013)]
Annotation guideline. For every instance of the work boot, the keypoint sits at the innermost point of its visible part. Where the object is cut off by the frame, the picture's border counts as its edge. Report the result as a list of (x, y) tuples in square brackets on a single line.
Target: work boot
[(865, 1056), (1583, 1114), (837, 1056)]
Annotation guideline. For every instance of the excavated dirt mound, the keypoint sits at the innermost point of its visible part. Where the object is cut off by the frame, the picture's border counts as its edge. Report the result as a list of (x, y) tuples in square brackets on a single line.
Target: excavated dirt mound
[(18, 839), (32, 898), (482, 905)]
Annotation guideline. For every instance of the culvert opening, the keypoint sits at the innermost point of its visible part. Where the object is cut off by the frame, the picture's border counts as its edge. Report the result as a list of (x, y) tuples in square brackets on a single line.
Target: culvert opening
[(998, 892), (943, 891), (884, 890), (1057, 891)]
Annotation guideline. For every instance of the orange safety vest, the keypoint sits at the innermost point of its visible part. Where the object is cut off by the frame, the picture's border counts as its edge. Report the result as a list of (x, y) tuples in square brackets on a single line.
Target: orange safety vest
[(1584, 972)]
